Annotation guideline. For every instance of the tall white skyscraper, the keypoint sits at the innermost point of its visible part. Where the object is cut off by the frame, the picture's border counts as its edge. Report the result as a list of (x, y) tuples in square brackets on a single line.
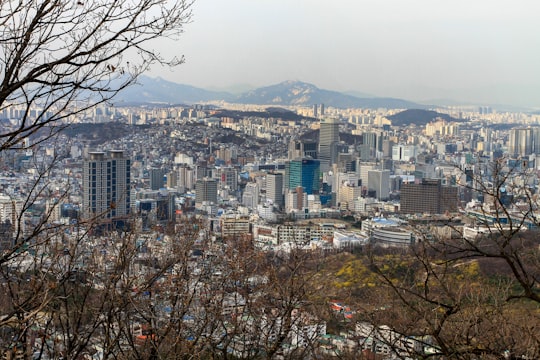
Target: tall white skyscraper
[(106, 179)]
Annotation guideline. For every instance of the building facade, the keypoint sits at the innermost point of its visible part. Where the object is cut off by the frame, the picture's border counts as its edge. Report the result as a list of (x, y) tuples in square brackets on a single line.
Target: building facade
[(328, 140), (274, 188), (429, 197), (206, 191), (157, 178), (303, 173), (379, 183), (106, 185), (250, 197)]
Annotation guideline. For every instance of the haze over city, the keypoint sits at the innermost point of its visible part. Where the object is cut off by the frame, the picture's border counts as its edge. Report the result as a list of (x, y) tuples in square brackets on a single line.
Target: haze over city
[(470, 52)]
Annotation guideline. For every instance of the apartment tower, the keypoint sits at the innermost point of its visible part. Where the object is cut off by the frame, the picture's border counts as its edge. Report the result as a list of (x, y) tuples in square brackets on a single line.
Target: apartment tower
[(106, 179)]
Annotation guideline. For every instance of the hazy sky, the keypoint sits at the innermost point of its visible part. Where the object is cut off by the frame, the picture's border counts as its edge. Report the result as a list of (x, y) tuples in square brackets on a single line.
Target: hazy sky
[(469, 50)]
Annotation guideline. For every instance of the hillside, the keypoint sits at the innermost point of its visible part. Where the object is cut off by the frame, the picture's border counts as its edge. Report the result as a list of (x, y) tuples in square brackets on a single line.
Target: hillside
[(419, 117), (271, 112)]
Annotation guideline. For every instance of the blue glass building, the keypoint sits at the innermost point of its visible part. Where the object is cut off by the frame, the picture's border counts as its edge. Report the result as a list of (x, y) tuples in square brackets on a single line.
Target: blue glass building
[(304, 173)]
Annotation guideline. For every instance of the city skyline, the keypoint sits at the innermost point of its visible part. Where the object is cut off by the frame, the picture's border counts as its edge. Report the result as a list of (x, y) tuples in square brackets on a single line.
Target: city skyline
[(416, 50)]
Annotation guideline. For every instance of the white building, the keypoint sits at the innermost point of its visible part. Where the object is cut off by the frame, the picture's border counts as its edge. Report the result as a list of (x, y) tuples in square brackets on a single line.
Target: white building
[(403, 152), (250, 197), (347, 240), (387, 232), (181, 158)]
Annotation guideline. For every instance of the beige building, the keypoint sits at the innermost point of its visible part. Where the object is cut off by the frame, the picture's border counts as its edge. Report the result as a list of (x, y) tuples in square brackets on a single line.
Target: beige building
[(234, 226)]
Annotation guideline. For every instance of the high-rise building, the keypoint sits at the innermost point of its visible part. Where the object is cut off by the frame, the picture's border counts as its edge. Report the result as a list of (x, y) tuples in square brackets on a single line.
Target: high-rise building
[(429, 196), (363, 172), (274, 188), (157, 178), (303, 173), (295, 199), (346, 162), (328, 140), (520, 142), (348, 193), (186, 177), (11, 222), (403, 152), (302, 148), (172, 179), (106, 179), (250, 197), (205, 191), (535, 140), (379, 182), (371, 146), (228, 178)]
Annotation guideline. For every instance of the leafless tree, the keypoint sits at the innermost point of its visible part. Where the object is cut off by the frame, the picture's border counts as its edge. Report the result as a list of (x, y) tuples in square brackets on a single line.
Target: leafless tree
[(474, 295), (61, 58)]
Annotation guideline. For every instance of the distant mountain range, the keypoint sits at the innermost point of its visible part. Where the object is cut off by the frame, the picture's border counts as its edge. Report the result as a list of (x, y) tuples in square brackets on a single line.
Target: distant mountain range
[(158, 90), (300, 93), (287, 93)]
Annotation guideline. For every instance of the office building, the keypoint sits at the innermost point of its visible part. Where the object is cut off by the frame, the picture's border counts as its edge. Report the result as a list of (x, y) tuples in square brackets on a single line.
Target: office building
[(328, 140), (228, 178), (428, 197), (157, 178), (155, 206), (250, 197), (106, 185), (379, 184), (274, 188), (348, 193), (205, 191), (233, 227), (303, 173), (295, 199), (371, 146), (172, 179), (363, 172), (403, 152)]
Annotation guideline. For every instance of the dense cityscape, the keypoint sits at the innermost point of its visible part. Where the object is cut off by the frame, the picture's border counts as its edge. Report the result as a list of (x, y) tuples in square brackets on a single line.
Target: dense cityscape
[(394, 217), (316, 181)]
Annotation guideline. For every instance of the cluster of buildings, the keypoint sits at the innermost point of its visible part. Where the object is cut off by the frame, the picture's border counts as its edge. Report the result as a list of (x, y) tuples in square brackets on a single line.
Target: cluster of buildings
[(298, 170), (337, 182)]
